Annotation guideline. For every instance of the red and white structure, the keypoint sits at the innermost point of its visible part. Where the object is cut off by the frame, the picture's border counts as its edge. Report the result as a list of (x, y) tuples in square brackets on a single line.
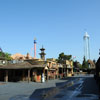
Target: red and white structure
[(35, 48)]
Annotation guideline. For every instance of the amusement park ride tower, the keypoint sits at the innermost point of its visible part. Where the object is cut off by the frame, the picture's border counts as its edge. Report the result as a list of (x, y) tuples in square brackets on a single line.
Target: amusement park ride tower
[(35, 48), (86, 46)]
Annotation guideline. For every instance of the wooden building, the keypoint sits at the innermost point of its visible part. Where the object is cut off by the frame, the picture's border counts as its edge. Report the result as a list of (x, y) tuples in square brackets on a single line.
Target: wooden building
[(69, 65), (91, 68), (65, 69), (52, 68), (40, 68), (23, 71), (36, 70), (15, 72), (60, 70)]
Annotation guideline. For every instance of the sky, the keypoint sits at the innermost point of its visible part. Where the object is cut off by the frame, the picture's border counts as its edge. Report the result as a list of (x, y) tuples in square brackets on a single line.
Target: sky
[(58, 25)]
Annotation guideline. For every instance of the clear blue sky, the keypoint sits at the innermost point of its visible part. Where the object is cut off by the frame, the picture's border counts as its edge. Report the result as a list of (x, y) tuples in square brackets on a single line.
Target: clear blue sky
[(58, 25)]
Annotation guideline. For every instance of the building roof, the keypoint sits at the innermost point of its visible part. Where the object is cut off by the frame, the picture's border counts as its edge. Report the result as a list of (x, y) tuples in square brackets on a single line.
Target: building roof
[(23, 65), (36, 61), (91, 62), (18, 56), (39, 66), (2, 58), (51, 59)]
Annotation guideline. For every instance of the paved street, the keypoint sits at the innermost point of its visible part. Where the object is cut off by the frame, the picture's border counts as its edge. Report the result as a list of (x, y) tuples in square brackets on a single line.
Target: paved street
[(77, 88), (24, 90), (81, 87)]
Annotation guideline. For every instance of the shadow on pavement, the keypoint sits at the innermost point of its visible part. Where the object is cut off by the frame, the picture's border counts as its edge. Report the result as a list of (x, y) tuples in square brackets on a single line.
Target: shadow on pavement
[(89, 90), (45, 93), (40, 94), (89, 87)]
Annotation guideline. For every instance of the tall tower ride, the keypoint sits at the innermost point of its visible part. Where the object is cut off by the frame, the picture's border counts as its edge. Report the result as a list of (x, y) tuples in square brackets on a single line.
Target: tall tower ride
[(35, 47), (86, 46)]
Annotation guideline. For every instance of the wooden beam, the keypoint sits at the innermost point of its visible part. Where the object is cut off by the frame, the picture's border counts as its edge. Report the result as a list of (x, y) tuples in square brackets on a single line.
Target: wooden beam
[(28, 75), (67, 71), (6, 76), (23, 75), (44, 71), (62, 72)]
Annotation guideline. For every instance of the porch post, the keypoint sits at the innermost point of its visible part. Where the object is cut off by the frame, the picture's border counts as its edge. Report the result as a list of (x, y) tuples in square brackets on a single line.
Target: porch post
[(33, 76), (47, 75), (58, 73), (6, 76), (23, 75), (44, 71), (67, 72), (62, 73), (28, 75)]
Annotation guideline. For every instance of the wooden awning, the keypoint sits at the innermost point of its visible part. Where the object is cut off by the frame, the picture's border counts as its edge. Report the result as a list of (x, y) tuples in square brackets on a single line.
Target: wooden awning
[(22, 65), (51, 69)]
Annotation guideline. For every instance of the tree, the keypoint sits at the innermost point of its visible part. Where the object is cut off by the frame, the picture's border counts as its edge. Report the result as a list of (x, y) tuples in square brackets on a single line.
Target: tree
[(8, 56), (94, 61), (2, 54), (5, 56), (85, 63), (77, 64), (62, 57)]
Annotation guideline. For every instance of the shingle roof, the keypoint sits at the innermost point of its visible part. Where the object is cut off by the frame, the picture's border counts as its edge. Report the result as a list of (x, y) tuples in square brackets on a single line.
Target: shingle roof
[(23, 65)]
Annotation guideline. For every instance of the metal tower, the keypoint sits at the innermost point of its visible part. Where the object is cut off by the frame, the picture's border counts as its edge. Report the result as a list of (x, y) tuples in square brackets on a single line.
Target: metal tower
[(86, 46), (35, 47), (42, 54)]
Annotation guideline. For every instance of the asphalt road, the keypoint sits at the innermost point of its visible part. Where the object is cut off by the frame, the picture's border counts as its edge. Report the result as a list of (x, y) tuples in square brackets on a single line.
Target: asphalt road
[(79, 87), (82, 87)]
